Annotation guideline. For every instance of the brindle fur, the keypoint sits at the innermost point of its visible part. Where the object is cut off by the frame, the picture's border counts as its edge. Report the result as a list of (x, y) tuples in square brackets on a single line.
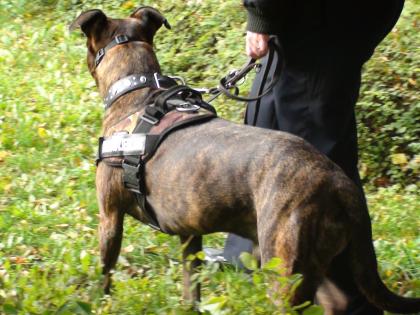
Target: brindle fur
[(271, 187)]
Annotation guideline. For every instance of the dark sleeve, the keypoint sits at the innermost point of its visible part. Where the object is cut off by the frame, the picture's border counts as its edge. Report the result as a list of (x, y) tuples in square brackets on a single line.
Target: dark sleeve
[(278, 16), (264, 15)]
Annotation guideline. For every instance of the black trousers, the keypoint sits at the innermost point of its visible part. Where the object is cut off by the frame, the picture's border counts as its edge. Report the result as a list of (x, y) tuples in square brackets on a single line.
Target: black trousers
[(315, 99)]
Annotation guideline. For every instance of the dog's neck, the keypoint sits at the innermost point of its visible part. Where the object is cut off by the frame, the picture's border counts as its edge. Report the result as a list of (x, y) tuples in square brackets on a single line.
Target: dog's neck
[(138, 58), (125, 106)]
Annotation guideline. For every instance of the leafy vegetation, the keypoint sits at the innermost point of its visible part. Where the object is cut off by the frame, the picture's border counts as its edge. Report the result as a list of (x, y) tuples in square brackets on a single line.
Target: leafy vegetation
[(389, 108), (50, 117)]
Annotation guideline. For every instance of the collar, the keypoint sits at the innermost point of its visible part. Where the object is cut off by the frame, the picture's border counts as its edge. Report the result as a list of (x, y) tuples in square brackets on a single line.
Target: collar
[(135, 82), (118, 40)]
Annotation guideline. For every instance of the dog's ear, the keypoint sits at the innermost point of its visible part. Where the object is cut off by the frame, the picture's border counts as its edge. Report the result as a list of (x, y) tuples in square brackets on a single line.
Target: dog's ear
[(151, 20), (90, 22)]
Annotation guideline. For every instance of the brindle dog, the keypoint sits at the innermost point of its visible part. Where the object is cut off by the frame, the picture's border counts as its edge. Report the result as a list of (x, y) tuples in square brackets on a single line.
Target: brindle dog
[(268, 186)]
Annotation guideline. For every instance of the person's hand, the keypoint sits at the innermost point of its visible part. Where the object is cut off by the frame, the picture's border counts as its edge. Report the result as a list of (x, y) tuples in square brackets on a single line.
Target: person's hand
[(256, 44)]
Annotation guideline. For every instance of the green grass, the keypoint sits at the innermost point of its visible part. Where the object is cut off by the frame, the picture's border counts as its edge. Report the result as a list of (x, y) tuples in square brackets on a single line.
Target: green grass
[(50, 115)]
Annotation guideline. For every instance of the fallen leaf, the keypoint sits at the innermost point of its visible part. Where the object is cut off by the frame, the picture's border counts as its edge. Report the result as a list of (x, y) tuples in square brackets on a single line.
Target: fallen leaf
[(3, 155), (42, 133), (399, 158), (62, 225), (18, 260), (72, 234), (128, 249), (128, 5)]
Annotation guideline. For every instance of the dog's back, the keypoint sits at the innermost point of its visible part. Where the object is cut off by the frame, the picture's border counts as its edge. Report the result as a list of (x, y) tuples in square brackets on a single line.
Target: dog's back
[(222, 170)]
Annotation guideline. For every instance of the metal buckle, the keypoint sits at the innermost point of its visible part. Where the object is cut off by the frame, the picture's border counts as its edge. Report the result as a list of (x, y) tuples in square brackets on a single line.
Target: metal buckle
[(121, 39), (156, 80), (187, 107), (150, 119), (99, 56), (182, 105), (131, 176)]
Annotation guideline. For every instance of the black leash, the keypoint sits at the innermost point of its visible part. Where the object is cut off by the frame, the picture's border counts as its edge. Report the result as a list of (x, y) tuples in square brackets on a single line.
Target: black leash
[(230, 81), (226, 84), (264, 78)]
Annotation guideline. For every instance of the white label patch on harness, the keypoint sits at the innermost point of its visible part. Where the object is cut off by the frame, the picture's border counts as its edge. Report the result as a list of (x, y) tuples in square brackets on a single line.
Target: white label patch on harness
[(124, 144)]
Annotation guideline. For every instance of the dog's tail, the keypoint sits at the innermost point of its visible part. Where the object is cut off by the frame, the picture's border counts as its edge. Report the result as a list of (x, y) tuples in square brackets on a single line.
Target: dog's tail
[(362, 258)]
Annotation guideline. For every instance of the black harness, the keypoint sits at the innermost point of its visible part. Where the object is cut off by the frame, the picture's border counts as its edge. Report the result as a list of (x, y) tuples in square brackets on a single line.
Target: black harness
[(179, 104), (172, 107)]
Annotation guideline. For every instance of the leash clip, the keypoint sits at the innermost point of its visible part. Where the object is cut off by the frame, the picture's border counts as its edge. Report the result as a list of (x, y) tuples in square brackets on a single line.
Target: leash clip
[(234, 77)]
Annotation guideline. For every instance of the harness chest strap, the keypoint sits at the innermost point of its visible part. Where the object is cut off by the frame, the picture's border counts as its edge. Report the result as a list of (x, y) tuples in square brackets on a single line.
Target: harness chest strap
[(144, 137), (123, 144)]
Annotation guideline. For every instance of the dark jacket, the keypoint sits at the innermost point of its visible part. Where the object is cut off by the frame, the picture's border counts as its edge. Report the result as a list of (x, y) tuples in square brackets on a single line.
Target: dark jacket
[(349, 19), (276, 16)]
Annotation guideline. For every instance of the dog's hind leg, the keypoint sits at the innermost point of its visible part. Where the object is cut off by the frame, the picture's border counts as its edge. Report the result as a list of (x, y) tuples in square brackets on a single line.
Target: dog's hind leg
[(304, 240), (312, 277), (190, 246), (110, 238)]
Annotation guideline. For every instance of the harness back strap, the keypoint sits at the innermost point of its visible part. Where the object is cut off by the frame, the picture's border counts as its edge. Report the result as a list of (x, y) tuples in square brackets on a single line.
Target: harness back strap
[(181, 97)]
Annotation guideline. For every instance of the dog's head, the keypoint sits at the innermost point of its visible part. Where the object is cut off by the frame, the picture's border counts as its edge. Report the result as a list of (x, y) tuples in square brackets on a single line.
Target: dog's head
[(137, 55)]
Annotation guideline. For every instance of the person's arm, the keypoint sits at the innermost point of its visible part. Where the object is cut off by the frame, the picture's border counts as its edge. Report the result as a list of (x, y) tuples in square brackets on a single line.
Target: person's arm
[(261, 23), (261, 15)]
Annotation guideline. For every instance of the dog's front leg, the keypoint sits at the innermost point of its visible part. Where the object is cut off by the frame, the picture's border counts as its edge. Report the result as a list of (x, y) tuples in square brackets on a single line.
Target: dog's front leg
[(191, 245), (110, 238)]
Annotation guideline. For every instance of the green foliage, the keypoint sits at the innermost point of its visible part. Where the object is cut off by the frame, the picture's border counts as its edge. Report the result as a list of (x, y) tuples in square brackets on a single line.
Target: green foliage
[(251, 294), (50, 117), (389, 106), (396, 212)]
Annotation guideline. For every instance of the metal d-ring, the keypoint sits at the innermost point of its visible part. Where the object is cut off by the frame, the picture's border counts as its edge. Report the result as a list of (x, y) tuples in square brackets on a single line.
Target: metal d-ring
[(187, 107), (179, 79)]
